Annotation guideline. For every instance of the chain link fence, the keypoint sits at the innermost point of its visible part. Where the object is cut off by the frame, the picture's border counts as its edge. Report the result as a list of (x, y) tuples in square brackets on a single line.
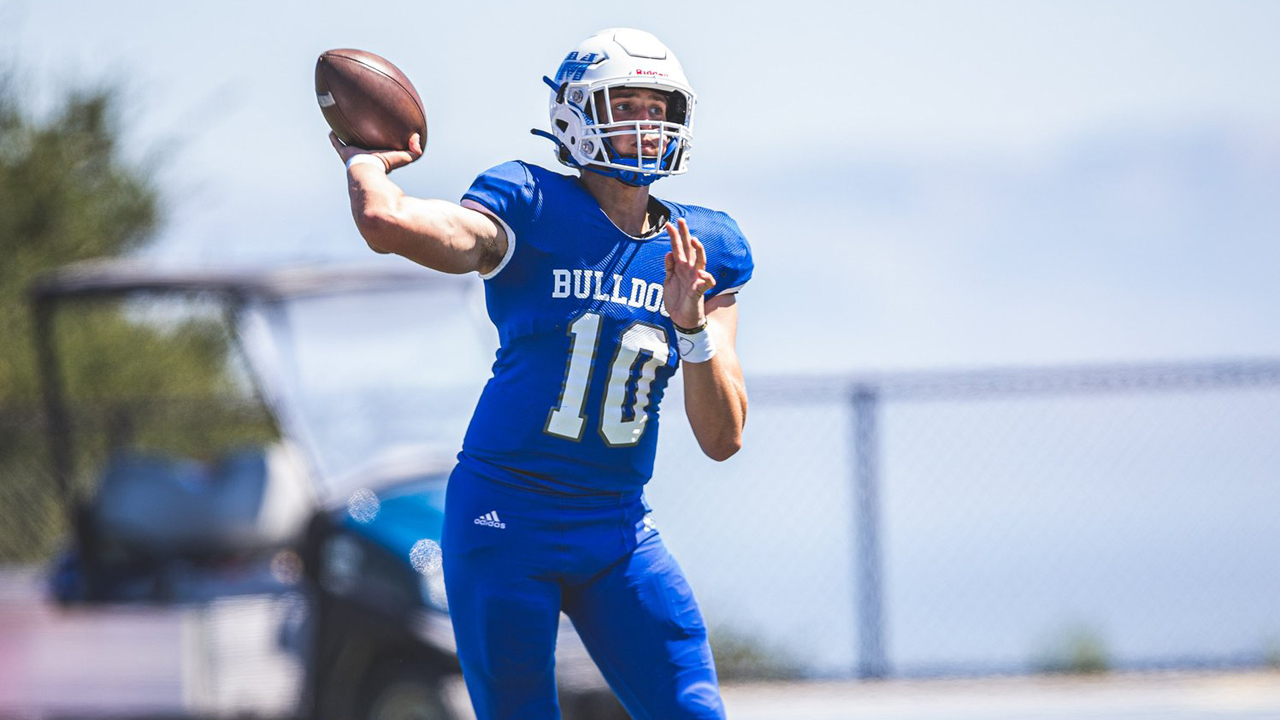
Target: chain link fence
[(1076, 519), (32, 521), (946, 524)]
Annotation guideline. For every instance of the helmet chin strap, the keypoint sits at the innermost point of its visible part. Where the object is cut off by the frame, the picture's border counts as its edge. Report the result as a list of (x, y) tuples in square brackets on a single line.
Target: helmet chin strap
[(627, 177)]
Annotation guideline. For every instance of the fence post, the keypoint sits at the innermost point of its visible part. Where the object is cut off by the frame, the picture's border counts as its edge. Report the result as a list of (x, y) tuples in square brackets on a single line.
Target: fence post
[(870, 641)]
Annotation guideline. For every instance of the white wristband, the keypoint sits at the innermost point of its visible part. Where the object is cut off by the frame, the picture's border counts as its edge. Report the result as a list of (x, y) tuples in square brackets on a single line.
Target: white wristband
[(366, 159), (695, 347)]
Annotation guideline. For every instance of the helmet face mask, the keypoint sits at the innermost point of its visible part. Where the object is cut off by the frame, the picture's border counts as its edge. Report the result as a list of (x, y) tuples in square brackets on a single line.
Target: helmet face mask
[(582, 122), (608, 130)]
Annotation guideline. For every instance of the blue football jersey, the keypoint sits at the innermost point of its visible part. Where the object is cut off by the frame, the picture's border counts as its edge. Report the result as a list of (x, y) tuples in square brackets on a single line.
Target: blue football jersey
[(586, 345)]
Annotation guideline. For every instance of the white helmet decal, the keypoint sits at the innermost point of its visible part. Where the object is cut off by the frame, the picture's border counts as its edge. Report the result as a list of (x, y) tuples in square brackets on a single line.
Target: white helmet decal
[(582, 123)]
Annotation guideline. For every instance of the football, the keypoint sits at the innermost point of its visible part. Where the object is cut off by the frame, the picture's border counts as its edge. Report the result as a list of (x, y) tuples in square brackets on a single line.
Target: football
[(367, 101)]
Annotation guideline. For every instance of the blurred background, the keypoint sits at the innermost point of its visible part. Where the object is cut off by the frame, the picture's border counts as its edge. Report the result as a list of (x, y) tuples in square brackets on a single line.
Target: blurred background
[(1011, 340)]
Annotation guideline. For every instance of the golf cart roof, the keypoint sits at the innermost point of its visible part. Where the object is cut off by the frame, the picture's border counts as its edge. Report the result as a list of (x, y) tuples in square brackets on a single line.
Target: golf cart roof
[(118, 277)]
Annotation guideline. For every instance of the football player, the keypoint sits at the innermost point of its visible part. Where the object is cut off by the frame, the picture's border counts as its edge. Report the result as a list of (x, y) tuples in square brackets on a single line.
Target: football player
[(600, 292)]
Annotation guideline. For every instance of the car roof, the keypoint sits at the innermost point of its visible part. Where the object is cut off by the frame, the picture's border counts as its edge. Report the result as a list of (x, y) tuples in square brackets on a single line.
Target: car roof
[(119, 277)]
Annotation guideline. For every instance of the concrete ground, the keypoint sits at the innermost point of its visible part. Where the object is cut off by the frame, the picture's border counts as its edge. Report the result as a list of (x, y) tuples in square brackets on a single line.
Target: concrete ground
[(1156, 696)]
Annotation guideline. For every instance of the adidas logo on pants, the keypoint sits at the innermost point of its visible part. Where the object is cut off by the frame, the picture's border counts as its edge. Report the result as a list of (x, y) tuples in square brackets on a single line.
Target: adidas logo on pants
[(491, 519)]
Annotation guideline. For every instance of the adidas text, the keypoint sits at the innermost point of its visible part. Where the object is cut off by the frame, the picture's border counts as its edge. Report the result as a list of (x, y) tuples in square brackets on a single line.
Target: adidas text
[(491, 519)]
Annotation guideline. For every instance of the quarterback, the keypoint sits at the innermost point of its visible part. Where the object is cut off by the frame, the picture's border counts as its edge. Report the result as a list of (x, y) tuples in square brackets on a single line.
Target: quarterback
[(600, 292)]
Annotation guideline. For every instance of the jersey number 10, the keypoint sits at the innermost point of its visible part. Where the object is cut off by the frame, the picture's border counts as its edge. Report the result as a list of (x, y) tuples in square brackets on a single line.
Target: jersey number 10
[(622, 419)]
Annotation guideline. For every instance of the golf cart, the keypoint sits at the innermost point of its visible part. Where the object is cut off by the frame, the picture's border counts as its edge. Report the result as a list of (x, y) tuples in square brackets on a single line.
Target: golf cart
[(283, 436)]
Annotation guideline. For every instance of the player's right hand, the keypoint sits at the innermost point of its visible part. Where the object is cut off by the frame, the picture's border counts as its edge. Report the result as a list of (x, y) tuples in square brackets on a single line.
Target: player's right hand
[(392, 159)]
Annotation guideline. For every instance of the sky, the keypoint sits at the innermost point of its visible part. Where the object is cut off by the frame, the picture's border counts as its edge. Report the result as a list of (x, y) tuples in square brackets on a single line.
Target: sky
[(925, 184)]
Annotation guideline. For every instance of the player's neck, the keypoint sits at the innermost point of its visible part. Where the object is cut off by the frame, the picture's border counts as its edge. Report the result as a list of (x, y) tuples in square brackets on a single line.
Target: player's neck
[(626, 205)]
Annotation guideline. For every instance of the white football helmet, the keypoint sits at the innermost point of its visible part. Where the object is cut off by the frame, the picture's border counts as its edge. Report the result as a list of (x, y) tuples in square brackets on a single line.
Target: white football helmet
[(582, 123)]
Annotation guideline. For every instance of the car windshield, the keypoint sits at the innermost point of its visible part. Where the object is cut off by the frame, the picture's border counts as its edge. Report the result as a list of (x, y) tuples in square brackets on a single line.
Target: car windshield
[(360, 377)]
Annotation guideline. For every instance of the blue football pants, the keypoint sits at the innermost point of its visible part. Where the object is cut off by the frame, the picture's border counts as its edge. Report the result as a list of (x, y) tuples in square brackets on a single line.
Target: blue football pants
[(514, 558)]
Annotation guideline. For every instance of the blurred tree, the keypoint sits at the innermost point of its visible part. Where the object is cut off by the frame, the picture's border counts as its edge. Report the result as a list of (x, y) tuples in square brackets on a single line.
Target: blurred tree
[(67, 193), (742, 657), (1080, 649)]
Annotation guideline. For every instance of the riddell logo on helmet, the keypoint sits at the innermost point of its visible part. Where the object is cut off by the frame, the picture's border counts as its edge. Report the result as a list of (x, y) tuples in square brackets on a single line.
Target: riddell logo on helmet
[(651, 72)]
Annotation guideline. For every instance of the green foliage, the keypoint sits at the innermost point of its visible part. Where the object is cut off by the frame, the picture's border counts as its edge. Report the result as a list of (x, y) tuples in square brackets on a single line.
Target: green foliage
[(742, 657), (1079, 650), (1271, 652), (67, 194)]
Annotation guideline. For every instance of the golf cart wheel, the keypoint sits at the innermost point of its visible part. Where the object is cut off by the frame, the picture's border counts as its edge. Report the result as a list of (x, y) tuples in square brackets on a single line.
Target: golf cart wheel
[(417, 692)]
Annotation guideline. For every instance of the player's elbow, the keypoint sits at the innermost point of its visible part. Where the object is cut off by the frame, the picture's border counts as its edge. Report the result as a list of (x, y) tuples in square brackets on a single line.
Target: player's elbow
[(385, 229), (722, 449), (377, 227), (719, 433)]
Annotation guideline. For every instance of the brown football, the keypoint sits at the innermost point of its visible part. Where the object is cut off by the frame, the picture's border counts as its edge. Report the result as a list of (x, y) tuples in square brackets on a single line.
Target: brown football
[(367, 101)]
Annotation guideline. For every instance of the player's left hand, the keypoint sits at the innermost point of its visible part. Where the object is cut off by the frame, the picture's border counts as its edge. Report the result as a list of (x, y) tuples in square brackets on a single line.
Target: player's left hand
[(687, 277)]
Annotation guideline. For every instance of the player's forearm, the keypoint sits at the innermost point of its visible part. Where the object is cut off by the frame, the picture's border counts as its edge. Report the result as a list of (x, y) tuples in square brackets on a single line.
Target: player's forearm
[(373, 196), (715, 399), (429, 232)]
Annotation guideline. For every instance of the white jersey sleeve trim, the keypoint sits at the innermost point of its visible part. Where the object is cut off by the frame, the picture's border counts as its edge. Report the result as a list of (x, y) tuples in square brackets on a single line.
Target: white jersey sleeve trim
[(511, 236), (728, 291)]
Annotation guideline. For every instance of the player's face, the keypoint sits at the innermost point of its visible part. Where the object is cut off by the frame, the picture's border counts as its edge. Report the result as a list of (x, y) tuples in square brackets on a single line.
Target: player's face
[(635, 104)]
